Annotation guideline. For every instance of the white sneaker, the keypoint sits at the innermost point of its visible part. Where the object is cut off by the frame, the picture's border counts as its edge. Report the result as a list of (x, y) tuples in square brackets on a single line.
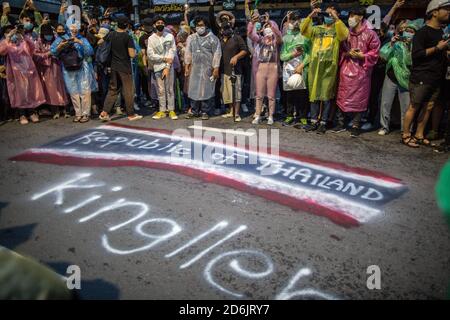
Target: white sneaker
[(383, 132), (257, 120), (227, 115), (119, 111), (270, 121), (237, 119)]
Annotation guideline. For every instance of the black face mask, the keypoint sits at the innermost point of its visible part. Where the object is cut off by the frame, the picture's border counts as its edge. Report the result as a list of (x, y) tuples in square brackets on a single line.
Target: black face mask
[(227, 32), (160, 27), (61, 34)]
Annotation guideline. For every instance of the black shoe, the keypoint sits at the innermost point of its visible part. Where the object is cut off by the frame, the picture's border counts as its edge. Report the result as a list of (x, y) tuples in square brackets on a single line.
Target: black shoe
[(442, 148), (205, 116), (311, 127), (339, 128), (322, 129), (355, 132)]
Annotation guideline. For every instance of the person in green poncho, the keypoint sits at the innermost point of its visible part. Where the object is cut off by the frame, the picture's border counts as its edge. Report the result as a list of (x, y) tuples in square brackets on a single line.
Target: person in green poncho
[(397, 54), (295, 54), (324, 61)]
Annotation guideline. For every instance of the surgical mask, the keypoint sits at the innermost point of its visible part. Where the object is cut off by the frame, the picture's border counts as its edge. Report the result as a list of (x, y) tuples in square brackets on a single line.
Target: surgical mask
[(160, 27), (290, 26), (14, 38), (201, 30), (268, 32), (28, 26), (352, 22), (61, 34), (328, 20), (258, 26), (48, 37), (408, 35)]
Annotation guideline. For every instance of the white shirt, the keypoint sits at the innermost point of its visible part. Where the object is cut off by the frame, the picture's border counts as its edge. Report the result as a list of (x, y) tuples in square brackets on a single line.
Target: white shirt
[(160, 48)]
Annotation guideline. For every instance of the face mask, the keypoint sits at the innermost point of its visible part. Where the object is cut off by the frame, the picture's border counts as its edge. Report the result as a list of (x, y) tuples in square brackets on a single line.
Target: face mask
[(268, 32), (408, 35), (48, 37), (352, 22), (61, 33), (14, 39), (160, 27), (389, 34), (28, 26), (201, 30), (328, 20), (228, 32), (290, 26), (258, 26)]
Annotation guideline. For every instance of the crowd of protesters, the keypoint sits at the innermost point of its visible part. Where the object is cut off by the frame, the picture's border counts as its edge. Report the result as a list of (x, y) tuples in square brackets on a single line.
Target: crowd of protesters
[(331, 70)]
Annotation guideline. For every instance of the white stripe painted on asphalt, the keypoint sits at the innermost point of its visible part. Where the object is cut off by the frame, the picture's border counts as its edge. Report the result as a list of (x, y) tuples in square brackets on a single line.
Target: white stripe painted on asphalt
[(235, 132)]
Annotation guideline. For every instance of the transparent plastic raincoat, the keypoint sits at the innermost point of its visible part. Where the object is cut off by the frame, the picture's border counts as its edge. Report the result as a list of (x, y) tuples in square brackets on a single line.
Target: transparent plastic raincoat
[(291, 41), (203, 54), (355, 75), (23, 80), (324, 59), (83, 80)]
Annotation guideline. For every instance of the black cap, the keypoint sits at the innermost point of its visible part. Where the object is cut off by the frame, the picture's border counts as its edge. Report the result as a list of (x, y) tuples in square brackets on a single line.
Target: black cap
[(358, 11)]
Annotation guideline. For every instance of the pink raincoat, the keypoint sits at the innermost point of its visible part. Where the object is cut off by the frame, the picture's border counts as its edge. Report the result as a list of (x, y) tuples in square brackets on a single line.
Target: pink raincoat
[(50, 70), (355, 74), (23, 80)]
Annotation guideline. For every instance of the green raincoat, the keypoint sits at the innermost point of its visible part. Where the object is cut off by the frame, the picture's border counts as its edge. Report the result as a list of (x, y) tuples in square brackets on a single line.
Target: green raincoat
[(291, 41), (398, 57), (324, 59)]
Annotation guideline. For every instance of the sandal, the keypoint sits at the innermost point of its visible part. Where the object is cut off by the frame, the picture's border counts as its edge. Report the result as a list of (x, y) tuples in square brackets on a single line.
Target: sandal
[(423, 142), (410, 141), (77, 119), (84, 119)]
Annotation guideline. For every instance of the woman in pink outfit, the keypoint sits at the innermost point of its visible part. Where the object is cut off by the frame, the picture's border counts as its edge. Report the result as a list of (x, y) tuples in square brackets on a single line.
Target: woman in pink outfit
[(24, 84), (50, 71)]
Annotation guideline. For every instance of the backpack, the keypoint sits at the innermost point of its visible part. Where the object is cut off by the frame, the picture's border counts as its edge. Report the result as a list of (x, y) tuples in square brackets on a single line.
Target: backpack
[(70, 58), (103, 54)]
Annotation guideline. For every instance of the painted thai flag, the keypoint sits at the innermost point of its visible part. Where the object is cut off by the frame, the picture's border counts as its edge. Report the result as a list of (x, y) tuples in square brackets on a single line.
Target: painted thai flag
[(348, 196)]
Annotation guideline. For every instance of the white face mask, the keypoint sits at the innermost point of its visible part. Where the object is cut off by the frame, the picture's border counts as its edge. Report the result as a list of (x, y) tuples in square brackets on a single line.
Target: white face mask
[(290, 26), (201, 30), (352, 22), (268, 32)]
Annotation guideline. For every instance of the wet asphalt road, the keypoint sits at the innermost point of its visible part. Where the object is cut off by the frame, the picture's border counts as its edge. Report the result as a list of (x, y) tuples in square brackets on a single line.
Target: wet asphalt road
[(410, 241)]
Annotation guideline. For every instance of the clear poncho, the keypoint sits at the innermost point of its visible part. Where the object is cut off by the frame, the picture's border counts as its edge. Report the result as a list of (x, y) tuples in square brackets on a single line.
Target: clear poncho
[(81, 81), (203, 54), (324, 59)]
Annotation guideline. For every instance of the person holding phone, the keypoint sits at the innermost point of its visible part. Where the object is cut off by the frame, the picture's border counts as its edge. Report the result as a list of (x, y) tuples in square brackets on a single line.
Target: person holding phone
[(359, 54)]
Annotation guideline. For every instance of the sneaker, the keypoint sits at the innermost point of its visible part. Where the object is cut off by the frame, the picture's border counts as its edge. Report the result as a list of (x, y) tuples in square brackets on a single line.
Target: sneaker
[(237, 119), (311, 127), (205, 116), (257, 120), (173, 115), (355, 132), (270, 121), (56, 116), (34, 118), (339, 128), (119, 111), (442, 148), (322, 128), (66, 115), (104, 117), (23, 120), (244, 108), (288, 121), (135, 117), (159, 115), (383, 132), (190, 115)]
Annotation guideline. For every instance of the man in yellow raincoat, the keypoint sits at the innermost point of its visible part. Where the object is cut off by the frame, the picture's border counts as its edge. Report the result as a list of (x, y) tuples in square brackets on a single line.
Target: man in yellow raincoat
[(326, 39)]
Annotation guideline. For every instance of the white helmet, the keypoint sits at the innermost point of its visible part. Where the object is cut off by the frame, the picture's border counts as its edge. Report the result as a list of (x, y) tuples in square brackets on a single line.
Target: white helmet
[(295, 81), (437, 4)]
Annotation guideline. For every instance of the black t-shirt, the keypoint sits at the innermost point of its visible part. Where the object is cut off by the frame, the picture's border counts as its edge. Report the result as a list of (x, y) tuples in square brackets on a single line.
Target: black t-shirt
[(143, 41), (120, 59), (428, 70), (232, 47)]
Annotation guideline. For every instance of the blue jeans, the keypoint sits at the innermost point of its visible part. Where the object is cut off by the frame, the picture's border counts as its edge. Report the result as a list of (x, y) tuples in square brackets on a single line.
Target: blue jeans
[(200, 107), (315, 111), (390, 89)]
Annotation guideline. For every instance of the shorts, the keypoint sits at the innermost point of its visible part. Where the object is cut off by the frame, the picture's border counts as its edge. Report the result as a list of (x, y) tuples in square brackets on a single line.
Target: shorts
[(227, 92), (422, 94)]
